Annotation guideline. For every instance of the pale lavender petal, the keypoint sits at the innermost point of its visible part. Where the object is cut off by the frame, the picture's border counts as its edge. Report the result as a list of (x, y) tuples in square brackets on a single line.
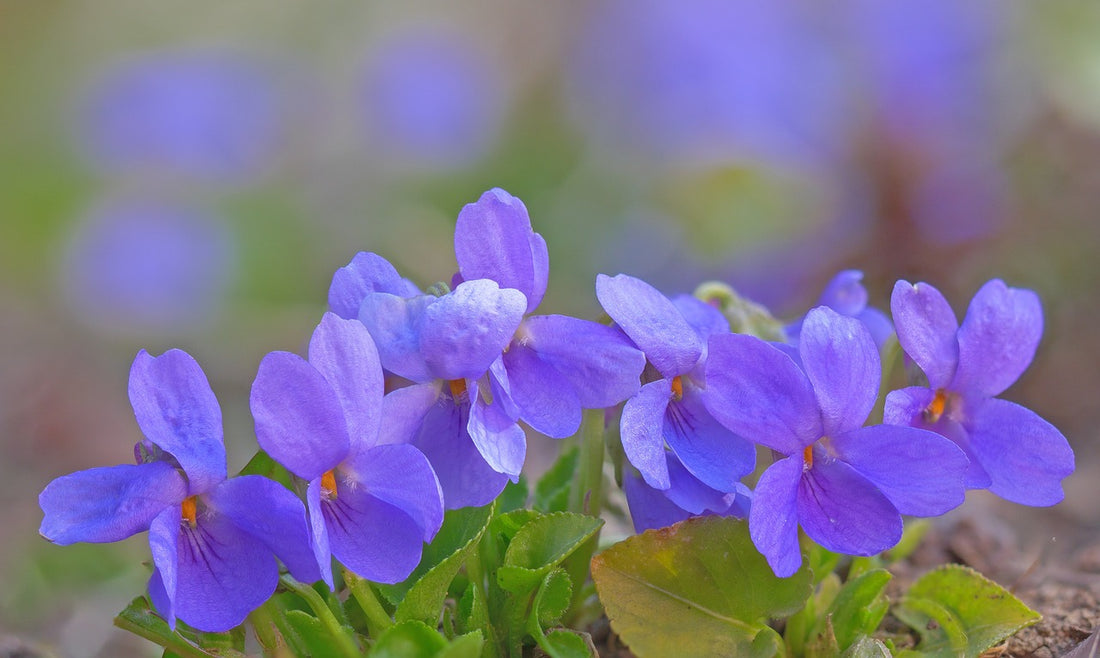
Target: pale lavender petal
[(343, 351), (501, 385), (705, 319), (272, 514), (997, 339), (842, 362), (466, 479), (403, 412), (602, 365), (223, 574), (163, 545), (920, 472), (758, 392), (394, 323), (927, 330), (366, 273), (494, 240), (402, 476), (299, 421), (465, 330), (371, 537), (543, 396), (845, 293), (1026, 457), (773, 519), (322, 550), (715, 455), (498, 438), (641, 429), (843, 512), (177, 411), (652, 322), (908, 407), (108, 504)]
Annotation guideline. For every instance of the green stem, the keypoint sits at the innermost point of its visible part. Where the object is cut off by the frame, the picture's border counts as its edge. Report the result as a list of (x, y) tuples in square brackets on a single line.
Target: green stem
[(378, 620), (587, 496), (324, 614), (262, 620)]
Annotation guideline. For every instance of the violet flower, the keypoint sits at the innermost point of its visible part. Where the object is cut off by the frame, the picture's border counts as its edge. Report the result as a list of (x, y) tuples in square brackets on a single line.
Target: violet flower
[(214, 540), (370, 505), (555, 365), (667, 412), (445, 345), (208, 114), (846, 295), (1013, 452), (845, 484)]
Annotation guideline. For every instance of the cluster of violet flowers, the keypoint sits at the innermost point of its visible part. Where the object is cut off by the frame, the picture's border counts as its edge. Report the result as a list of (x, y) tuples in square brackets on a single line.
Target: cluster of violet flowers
[(410, 403)]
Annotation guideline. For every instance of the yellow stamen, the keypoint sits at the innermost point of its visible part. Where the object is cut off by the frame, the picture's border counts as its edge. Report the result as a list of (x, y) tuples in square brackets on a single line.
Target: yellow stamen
[(677, 388), (808, 456), (328, 485), (189, 509), (458, 388)]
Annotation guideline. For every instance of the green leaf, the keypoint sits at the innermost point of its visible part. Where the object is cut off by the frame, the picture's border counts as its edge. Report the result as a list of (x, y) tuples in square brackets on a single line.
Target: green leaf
[(140, 619), (552, 489), (697, 588), (958, 611), (554, 597), (866, 647), (420, 596), (544, 542), (859, 607), (561, 643), (408, 639), (263, 464), (464, 646), (313, 636)]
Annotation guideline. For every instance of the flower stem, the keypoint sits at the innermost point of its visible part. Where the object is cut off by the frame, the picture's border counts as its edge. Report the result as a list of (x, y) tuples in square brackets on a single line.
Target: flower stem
[(378, 620), (339, 633), (586, 496), (271, 635)]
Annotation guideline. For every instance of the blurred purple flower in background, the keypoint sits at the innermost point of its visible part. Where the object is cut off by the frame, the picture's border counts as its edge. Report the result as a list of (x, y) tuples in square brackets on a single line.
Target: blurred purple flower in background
[(204, 114), (846, 295), (710, 81), (431, 99), (148, 265)]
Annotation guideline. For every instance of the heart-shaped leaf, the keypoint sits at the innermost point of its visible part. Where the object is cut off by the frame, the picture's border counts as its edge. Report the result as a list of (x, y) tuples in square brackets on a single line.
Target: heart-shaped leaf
[(697, 588), (956, 610)]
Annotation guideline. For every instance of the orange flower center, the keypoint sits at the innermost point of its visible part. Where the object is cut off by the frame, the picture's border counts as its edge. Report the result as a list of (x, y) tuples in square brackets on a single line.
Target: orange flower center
[(458, 387), (328, 485), (677, 388), (189, 510), (808, 456), (936, 408)]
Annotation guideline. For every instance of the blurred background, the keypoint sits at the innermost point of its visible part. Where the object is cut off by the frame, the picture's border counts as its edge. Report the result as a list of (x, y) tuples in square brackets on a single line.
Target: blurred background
[(191, 175)]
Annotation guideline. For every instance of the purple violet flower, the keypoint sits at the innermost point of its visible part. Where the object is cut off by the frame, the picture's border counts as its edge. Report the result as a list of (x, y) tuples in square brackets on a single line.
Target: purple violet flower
[(1013, 452), (370, 505), (667, 412), (214, 540), (456, 415), (846, 295), (845, 484), (555, 365)]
